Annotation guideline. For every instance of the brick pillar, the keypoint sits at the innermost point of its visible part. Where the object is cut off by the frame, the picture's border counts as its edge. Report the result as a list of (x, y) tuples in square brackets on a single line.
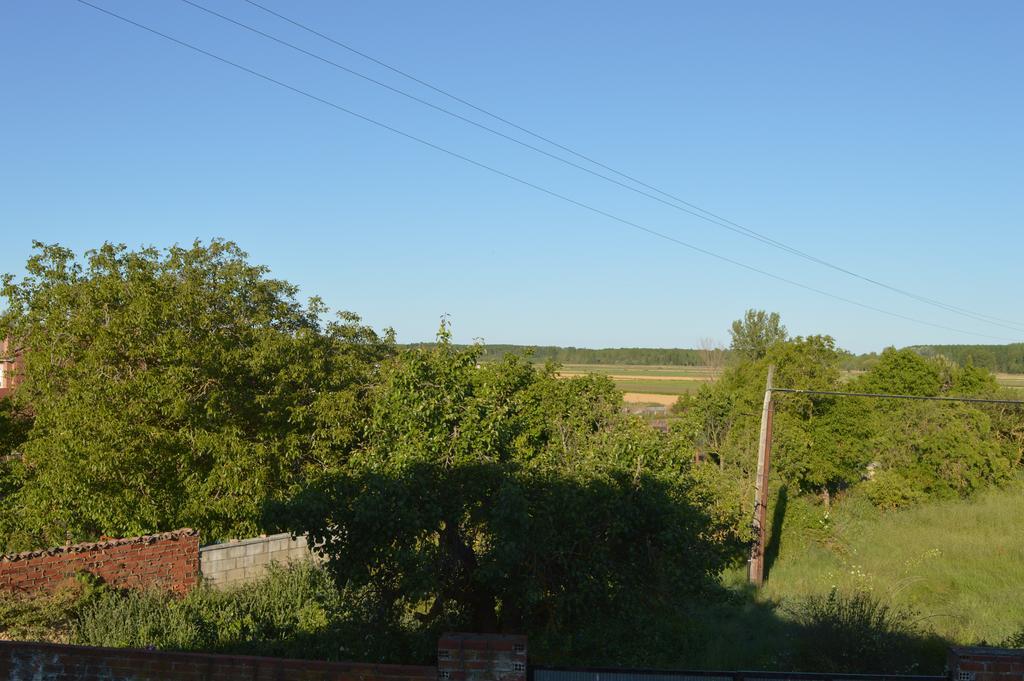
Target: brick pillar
[(481, 657), (985, 664)]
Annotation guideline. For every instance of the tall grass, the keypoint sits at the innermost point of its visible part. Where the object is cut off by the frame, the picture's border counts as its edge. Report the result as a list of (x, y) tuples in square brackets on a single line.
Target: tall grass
[(296, 611), (960, 564)]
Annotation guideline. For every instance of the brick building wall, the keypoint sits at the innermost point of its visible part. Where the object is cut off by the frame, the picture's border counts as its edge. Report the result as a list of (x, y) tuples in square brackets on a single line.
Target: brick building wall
[(169, 560), (985, 664), (481, 657), (245, 560), (12, 366), (21, 661)]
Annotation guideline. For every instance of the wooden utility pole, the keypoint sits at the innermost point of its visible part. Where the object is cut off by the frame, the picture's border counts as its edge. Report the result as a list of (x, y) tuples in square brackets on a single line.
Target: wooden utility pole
[(764, 453)]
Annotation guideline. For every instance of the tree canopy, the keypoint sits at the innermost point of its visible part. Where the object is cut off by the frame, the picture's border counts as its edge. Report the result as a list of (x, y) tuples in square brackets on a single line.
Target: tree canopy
[(181, 387), (756, 333), (897, 452), (498, 497)]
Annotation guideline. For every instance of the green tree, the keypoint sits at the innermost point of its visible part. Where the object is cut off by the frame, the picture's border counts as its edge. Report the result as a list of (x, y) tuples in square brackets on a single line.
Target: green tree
[(753, 335), (498, 497), (14, 427), (171, 388), (902, 372), (901, 452)]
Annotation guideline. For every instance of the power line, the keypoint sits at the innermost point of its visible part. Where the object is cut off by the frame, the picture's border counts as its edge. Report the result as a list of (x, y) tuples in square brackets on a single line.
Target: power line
[(703, 213), (838, 393), (716, 221), (524, 182)]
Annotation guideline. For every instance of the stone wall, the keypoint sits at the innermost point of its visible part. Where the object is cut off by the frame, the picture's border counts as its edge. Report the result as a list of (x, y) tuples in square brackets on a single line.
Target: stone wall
[(245, 560), (169, 560)]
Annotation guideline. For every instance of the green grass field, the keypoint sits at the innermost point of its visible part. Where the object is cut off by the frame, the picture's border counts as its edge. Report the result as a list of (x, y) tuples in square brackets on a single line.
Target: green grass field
[(959, 564)]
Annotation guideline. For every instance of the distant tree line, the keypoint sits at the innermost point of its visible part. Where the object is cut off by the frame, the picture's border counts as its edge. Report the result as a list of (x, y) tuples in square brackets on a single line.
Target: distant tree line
[(997, 358), (1007, 359), (574, 355)]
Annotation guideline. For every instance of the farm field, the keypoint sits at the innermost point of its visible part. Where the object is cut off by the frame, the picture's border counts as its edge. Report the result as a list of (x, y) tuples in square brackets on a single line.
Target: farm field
[(663, 384), (1015, 381), (647, 384)]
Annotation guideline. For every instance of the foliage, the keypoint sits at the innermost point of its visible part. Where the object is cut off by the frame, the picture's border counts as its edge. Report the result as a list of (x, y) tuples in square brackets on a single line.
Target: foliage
[(1001, 358), (173, 388), (572, 355), (857, 631), (901, 452), (994, 358), (48, 616), (753, 335), (1014, 640), (294, 611), (14, 428), (890, 490), (528, 503)]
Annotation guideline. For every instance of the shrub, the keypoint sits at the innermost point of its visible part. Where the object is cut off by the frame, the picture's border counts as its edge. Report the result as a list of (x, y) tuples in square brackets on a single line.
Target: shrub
[(288, 604), (890, 490), (859, 633), (1015, 640), (48, 616), (295, 611)]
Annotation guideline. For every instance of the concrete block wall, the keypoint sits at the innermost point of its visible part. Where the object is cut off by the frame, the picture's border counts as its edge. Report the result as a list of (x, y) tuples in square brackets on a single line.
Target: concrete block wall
[(168, 560), (245, 560)]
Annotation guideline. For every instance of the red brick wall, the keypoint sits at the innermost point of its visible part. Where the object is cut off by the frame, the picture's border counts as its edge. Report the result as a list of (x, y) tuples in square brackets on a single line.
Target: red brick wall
[(481, 657), (985, 664), (51, 662), (12, 366), (169, 560)]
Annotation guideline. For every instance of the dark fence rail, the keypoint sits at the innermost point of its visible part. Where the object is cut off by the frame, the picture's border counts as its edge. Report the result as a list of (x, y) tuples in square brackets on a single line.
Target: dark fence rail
[(540, 673)]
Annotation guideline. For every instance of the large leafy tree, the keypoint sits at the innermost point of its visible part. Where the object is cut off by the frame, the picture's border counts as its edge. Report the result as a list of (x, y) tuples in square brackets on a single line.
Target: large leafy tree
[(173, 387), (499, 497), (756, 333), (897, 451), (930, 449)]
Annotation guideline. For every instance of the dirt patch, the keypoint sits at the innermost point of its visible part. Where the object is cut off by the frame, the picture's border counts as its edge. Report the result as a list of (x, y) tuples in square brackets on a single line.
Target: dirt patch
[(650, 398)]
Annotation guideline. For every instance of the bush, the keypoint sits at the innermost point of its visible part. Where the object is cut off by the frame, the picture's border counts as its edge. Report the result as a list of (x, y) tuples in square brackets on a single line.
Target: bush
[(278, 615), (292, 612), (48, 616), (890, 490), (1014, 641), (859, 633)]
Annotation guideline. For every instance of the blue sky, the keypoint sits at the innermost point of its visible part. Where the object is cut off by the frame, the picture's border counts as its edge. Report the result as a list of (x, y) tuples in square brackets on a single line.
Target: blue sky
[(884, 137)]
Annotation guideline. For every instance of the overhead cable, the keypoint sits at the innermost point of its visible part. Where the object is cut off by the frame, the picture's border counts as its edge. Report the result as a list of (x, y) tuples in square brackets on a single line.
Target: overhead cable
[(673, 201), (526, 183)]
